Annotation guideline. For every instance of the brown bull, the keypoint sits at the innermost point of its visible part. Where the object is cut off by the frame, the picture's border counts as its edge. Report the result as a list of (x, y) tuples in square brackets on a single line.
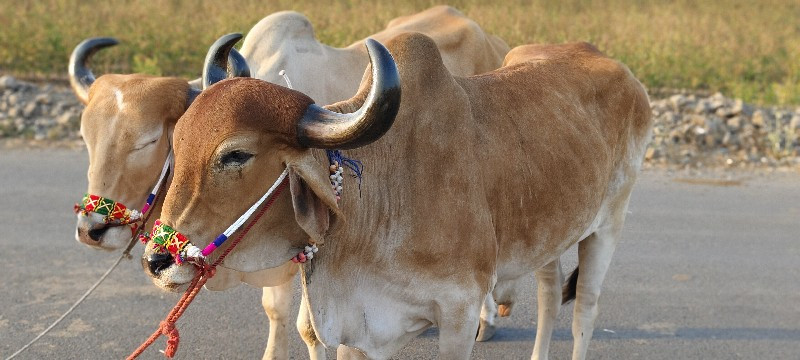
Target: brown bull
[(480, 180)]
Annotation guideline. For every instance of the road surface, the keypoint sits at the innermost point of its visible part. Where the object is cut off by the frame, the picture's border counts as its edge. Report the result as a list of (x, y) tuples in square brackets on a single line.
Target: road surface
[(705, 270)]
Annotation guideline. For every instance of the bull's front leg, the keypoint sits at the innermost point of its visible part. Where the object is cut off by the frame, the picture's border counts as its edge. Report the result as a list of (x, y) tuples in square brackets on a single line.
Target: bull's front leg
[(458, 324), (549, 280), (277, 302), (486, 329)]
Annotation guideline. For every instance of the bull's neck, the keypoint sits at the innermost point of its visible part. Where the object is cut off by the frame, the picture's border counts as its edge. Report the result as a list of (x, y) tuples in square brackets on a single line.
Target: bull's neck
[(329, 278)]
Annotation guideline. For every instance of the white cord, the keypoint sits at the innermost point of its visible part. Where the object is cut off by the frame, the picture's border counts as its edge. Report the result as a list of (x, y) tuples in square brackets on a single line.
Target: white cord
[(235, 226), (286, 78), (163, 174)]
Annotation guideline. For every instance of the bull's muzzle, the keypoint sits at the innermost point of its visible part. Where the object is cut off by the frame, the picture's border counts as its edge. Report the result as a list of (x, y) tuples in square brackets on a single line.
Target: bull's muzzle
[(155, 263), (90, 232)]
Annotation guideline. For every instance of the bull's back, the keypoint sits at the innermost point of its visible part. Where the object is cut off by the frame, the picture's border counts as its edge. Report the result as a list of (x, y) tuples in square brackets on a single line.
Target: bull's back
[(286, 41), (557, 126), (542, 52), (465, 48)]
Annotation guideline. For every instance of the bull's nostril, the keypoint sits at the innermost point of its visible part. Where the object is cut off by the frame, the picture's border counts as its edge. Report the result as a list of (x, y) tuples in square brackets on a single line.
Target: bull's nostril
[(96, 234), (158, 263)]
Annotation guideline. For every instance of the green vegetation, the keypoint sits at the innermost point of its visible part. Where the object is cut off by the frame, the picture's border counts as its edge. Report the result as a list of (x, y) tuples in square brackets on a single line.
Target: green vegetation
[(743, 48)]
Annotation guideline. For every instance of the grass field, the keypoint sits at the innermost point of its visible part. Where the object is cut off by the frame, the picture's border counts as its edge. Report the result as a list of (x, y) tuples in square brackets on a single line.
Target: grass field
[(744, 48)]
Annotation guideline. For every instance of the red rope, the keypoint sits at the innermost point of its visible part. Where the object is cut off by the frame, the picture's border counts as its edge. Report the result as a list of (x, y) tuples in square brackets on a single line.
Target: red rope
[(167, 327)]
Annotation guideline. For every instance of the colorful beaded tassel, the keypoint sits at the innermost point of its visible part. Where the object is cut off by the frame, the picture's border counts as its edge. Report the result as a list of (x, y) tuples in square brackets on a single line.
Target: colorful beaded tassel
[(338, 163), (306, 254), (336, 179)]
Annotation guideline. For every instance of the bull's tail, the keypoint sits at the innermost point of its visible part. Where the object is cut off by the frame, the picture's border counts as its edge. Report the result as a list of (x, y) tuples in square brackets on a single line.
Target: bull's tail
[(570, 288)]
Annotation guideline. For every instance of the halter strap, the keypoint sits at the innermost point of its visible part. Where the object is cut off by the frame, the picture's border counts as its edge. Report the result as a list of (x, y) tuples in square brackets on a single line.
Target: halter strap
[(167, 239), (238, 223), (161, 178)]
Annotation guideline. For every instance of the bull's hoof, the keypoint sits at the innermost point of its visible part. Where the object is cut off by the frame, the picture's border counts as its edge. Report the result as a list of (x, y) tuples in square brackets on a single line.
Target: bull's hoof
[(485, 331), (503, 310)]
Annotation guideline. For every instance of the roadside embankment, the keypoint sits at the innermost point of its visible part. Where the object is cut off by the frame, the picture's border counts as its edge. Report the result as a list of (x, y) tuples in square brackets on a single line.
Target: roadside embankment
[(690, 131)]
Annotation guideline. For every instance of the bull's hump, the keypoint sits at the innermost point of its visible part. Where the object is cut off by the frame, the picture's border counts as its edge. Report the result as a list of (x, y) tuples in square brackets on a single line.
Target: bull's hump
[(417, 56)]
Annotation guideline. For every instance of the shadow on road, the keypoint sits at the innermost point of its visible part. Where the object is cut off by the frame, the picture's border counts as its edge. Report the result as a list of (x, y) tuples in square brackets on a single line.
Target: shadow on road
[(510, 334)]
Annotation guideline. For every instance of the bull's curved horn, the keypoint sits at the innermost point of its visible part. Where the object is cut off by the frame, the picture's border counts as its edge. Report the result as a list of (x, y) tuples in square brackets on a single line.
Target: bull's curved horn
[(223, 61), (80, 76), (325, 129), (237, 64)]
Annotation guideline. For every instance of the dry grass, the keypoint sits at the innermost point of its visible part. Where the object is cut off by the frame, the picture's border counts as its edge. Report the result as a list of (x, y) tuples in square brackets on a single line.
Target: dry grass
[(747, 49)]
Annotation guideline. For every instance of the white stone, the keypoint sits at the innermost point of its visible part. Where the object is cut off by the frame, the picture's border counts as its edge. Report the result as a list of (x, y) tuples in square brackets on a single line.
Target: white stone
[(29, 109), (8, 82)]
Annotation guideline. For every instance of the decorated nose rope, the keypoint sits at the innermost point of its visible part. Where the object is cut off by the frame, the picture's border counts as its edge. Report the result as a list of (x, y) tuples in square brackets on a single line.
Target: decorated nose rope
[(115, 213)]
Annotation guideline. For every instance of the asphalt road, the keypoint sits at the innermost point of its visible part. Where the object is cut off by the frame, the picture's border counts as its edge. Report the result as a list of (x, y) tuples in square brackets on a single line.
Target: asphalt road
[(705, 270)]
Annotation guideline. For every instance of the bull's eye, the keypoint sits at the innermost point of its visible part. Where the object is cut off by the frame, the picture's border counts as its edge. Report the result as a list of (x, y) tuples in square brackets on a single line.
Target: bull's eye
[(235, 158), (142, 146)]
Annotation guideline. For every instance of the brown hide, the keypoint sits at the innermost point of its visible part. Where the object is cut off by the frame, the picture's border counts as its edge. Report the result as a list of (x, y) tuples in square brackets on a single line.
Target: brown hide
[(578, 123), (263, 123), (547, 139), (516, 162)]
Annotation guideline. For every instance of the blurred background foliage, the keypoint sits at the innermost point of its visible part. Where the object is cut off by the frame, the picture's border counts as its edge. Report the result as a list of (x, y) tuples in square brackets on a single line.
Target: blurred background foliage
[(745, 49)]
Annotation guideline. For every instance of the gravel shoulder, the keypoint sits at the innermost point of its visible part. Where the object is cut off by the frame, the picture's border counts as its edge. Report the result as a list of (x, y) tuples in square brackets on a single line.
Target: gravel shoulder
[(690, 131)]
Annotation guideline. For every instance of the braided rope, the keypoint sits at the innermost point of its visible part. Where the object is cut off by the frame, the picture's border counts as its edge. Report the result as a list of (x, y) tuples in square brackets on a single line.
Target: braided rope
[(115, 213), (238, 223), (167, 326)]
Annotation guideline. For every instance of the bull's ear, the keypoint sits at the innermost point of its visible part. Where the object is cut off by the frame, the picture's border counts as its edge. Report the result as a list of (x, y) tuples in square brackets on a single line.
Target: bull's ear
[(315, 208)]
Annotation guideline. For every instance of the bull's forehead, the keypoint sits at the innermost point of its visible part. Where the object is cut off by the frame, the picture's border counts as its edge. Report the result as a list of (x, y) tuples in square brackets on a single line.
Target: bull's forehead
[(125, 127), (238, 106), (123, 108)]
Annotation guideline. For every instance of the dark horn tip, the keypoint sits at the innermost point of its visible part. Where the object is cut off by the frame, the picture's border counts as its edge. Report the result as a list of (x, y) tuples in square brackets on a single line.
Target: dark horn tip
[(387, 91), (215, 67), (237, 65), (322, 128), (86, 49), (388, 66)]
